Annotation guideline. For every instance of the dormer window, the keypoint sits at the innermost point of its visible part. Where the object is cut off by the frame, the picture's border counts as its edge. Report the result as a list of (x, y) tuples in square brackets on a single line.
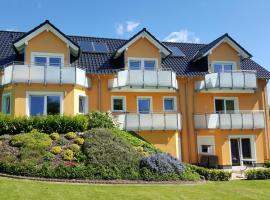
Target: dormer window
[(223, 67), (142, 63), (47, 59)]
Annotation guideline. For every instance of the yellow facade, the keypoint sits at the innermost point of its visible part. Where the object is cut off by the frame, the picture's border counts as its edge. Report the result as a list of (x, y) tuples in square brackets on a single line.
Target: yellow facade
[(188, 101)]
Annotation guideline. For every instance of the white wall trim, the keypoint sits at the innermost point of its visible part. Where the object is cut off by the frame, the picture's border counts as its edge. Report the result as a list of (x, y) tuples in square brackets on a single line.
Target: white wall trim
[(124, 103), (41, 93), (174, 103)]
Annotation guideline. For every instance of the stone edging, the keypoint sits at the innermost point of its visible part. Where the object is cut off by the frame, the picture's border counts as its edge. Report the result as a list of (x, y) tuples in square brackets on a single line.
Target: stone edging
[(88, 181)]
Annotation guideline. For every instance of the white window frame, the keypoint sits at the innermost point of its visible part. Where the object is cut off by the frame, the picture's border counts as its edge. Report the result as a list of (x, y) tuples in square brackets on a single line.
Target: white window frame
[(47, 56), (36, 93), (235, 99), (4, 95), (142, 61), (174, 103), (252, 143), (145, 97), (223, 63), (206, 140), (85, 103), (123, 98)]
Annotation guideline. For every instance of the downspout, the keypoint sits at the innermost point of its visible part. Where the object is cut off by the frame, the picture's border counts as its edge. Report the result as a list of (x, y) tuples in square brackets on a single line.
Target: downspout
[(188, 139), (266, 119), (180, 110), (99, 95), (195, 131)]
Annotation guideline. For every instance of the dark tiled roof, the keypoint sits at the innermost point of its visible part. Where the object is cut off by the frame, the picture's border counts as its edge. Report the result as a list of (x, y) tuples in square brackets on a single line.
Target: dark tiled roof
[(105, 63)]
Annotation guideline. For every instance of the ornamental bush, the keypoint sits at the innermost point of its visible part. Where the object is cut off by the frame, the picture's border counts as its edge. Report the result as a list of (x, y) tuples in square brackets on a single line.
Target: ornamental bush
[(162, 163), (79, 141), (68, 155), (267, 163), (55, 136), (74, 147), (71, 135), (56, 150), (100, 120), (258, 174)]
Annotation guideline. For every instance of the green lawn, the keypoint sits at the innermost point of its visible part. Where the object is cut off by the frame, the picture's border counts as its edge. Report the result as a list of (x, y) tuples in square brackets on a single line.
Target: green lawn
[(23, 189)]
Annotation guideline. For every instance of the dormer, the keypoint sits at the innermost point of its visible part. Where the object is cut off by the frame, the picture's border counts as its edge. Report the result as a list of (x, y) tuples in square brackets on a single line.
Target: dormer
[(143, 51), (46, 44)]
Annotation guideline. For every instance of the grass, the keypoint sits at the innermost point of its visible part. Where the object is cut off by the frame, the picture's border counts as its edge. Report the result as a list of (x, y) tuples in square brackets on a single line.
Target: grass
[(24, 189)]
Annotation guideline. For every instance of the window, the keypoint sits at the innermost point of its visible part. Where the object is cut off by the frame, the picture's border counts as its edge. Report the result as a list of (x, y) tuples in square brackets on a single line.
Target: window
[(6, 103), (118, 104), (223, 67), (44, 104), (206, 149), (142, 63), (83, 104), (144, 105), (169, 104), (225, 105), (50, 59)]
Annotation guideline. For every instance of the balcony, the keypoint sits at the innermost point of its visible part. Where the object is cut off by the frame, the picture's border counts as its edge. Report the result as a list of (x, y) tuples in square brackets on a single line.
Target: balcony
[(236, 120), (24, 73), (231, 81), (142, 80), (149, 121)]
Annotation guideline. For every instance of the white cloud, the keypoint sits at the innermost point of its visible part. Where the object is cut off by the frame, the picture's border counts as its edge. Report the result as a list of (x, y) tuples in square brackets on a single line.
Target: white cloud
[(119, 29), (131, 25), (126, 27), (182, 36)]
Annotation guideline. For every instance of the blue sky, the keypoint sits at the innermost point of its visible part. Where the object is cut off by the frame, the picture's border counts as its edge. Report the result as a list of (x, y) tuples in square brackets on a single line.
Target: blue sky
[(247, 21)]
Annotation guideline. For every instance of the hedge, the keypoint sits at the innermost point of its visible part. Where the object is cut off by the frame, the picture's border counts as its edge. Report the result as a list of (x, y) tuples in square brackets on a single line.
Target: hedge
[(211, 174), (254, 174), (54, 123), (267, 163)]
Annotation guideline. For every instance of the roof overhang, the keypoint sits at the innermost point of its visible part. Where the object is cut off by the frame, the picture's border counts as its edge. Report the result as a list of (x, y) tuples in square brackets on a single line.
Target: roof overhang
[(46, 26), (144, 34), (241, 51)]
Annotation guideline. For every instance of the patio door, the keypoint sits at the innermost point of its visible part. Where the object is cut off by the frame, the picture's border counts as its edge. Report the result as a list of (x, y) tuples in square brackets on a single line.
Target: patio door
[(242, 150)]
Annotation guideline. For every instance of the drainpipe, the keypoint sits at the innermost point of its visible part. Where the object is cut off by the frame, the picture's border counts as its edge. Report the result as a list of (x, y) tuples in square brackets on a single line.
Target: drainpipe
[(99, 95), (188, 133), (181, 122), (266, 113)]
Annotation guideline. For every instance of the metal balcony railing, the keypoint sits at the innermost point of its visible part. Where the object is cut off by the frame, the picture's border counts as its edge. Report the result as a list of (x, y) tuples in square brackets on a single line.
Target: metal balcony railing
[(141, 78), (149, 121), (232, 120), (17, 72), (228, 80)]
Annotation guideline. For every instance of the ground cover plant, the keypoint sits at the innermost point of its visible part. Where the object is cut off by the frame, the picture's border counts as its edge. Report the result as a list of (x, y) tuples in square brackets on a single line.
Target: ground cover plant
[(88, 147)]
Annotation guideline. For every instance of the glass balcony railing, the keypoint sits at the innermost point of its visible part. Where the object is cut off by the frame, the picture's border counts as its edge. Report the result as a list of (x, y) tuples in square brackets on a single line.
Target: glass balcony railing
[(149, 121), (148, 79), (31, 73), (235, 120), (229, 80)]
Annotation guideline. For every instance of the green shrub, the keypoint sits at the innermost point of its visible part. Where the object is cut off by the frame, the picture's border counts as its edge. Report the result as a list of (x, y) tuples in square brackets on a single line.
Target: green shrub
[(32, 140), (74, 147), (257, 174), (68, 155), (79, 141), (48, 156), (80, 156), (5, 137), (210, 174), (100, 120), (56, 150), (62, 141), (1, 142), (71, 135), (106, 150), (135, 141), (267, 163), (55, 136)]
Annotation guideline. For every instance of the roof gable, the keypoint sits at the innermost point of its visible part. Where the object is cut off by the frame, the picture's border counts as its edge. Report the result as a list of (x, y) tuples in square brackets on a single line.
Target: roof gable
[(144, 34), (45, 26), (224, 38)]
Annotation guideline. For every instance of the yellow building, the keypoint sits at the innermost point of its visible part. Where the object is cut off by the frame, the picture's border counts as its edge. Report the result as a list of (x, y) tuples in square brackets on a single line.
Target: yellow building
[(189, 100)]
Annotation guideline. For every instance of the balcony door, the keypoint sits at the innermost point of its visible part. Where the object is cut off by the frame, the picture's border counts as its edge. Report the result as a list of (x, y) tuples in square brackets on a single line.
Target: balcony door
[(226, 105), (242, 150)]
